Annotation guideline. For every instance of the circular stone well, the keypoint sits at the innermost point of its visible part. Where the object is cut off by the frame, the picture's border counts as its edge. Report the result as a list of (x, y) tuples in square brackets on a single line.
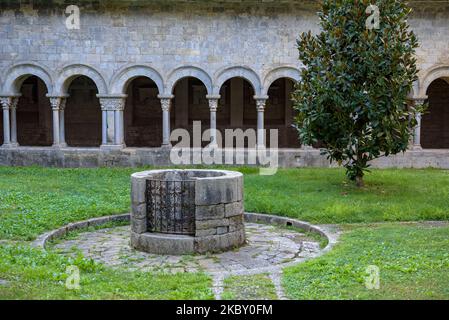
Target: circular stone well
[(176, 212)]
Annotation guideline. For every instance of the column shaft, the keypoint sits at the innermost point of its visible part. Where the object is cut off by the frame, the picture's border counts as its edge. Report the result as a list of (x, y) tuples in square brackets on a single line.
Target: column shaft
[(260, 122), (6, 128), (213, 106), (56, 127), (165, 104), (104, 127), (14, 125)]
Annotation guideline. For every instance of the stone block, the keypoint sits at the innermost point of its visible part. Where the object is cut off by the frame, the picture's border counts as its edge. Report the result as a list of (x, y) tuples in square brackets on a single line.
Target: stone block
[(234, 209), (222, 230), (139, 225), (139, 211), (138, 187), (204, 233), (210, 224), (210, 212), (158, 243)]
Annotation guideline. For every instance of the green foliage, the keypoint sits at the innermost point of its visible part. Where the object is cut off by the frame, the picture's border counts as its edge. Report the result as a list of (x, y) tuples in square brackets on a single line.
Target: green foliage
[(352, 96), (412, 259)]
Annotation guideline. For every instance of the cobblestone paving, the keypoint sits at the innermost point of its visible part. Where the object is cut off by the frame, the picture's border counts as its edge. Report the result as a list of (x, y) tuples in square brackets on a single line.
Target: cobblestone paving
[(267, 246)]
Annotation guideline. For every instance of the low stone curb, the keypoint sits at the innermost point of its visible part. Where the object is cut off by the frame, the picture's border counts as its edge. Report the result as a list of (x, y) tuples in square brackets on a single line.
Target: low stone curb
[(42, 240), (331, 235)]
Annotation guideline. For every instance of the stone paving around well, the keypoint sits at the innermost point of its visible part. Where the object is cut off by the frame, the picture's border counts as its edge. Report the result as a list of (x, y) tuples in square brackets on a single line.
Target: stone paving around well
[(268, 248)]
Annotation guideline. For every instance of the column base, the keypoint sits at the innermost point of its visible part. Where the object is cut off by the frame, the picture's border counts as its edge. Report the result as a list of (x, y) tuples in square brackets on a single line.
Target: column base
[(109, 147), (59, 145), (10, 145), (417, 147), (166, 146)]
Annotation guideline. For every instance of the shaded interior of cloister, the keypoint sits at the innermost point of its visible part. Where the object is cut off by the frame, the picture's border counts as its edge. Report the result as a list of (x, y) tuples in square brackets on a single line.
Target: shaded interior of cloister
[(83, 116), (34, 114), (236, 110), (435, 121), (143, 125)]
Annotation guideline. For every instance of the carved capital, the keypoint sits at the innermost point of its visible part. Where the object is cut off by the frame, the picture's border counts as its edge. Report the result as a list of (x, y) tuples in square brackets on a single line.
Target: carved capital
[(260, 103), (8, 103), (112, 104), (165, 104), (58, 103), (213, 105)]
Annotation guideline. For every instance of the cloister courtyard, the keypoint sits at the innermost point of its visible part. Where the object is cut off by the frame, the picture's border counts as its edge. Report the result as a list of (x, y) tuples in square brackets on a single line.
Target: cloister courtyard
[(397, 222)]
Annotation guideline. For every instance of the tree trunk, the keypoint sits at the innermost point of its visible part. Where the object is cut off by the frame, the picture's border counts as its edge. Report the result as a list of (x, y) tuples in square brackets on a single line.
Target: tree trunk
[(359, 181)]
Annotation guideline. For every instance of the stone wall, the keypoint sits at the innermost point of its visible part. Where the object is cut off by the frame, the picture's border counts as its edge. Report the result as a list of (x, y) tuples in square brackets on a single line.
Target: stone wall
[(212, 36)]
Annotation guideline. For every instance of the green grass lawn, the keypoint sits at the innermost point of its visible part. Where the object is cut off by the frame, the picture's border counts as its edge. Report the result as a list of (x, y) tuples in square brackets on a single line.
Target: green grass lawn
[(413, 262), (34, 200)]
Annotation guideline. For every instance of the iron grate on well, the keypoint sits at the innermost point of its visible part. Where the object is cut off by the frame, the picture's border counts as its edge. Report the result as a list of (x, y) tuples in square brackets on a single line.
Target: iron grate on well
[(171, 206)]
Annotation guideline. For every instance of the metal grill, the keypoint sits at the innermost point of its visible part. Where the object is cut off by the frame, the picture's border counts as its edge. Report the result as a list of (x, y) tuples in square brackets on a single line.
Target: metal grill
[(171, 206)]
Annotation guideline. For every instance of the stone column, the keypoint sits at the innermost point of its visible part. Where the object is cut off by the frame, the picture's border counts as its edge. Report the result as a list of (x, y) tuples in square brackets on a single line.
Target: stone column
[(166, 104), (13, 119), (417, 130), (9, 104), (260, 103), (112, 121), (213, 106), (62, 105), (58, 105)]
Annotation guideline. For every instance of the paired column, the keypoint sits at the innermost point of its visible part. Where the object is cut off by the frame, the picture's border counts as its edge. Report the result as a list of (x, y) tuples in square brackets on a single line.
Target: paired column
[(166, 105), (213, 106), (9, 107), (58, 106), (417, 130), (113, 134), (261, 103)]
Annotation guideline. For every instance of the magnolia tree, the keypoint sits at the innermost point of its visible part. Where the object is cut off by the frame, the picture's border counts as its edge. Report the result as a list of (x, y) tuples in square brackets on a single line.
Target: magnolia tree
[(358, 73)]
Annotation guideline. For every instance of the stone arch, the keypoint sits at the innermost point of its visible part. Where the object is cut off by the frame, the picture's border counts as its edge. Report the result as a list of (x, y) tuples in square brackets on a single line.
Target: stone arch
[(18, 73), (185, 72), (126, 74), (239, 72), (278, 73), (439, 72), (71, 72)]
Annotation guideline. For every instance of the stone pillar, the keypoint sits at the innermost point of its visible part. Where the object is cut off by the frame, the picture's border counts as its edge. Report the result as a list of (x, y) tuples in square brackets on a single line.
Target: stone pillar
[(112, 121), (58, 105), (166, 104), (213, 106), (13, 119), (260, 103), (62, 105), (9, 105), (417, 130)]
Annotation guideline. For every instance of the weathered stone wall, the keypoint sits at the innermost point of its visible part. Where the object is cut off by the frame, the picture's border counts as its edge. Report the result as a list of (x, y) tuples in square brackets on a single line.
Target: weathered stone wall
[(166, 35)]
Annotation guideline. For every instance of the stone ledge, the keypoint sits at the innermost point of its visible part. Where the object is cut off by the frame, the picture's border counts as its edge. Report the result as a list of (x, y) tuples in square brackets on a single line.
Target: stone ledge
[(42, 240), (164, 244)]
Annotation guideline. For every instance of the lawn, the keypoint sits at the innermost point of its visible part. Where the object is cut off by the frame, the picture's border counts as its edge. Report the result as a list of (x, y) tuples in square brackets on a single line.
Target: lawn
[(34, 200), (413, 262)]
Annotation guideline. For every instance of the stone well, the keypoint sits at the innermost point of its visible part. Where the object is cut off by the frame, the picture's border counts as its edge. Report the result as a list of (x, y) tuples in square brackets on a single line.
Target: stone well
[(178, 212)]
